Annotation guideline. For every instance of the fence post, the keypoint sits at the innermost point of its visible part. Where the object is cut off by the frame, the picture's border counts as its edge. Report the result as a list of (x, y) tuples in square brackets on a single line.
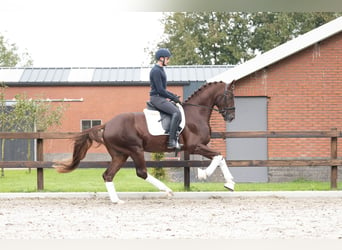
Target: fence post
[(40, 171), (333, 175), (186, 172)]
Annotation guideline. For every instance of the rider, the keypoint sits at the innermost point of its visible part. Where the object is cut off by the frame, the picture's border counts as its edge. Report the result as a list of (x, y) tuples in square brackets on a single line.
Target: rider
[(159, 95)]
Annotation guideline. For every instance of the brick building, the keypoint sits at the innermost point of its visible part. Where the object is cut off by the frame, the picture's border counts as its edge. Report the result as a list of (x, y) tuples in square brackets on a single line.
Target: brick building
[(95, 95), (301, 85)]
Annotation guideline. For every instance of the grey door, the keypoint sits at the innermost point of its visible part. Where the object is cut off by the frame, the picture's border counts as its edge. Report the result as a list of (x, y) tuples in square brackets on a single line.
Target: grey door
[(250, 115)]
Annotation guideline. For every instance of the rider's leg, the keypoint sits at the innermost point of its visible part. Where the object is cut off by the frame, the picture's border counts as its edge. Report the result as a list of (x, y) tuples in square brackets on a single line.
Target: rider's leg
[(167, 107), (173, 140)]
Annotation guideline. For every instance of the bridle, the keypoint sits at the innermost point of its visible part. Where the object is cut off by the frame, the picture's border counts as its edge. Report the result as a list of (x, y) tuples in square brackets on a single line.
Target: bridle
[(225, 95), (221, 111)]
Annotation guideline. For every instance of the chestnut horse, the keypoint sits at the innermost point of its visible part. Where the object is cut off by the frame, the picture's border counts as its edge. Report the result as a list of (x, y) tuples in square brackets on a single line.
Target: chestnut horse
[(126, 135)]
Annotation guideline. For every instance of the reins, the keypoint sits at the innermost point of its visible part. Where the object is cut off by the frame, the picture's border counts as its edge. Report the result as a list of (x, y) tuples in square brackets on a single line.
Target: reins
[(202, 106)]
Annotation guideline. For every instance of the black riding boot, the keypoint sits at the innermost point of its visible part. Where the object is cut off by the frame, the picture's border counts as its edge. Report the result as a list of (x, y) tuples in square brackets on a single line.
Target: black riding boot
[(173, 142)]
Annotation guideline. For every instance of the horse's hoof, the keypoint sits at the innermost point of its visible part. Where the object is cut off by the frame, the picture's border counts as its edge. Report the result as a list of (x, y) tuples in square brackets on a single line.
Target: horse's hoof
[(118, 202), (230, 185), (201, 174), (169, 193)]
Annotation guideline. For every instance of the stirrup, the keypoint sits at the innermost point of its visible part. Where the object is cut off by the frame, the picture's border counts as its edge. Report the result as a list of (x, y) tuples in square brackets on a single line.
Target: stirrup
[(175, 145), (178, 148)]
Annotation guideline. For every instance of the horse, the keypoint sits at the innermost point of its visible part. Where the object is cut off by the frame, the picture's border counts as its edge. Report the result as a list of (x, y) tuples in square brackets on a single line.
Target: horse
[(126, 135)]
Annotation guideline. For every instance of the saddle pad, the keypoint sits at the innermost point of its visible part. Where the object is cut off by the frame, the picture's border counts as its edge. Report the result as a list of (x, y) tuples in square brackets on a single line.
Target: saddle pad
[(154, 123)]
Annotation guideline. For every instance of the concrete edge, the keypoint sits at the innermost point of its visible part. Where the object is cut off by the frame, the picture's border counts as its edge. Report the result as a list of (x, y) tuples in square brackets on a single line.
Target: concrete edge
[(179, 195)]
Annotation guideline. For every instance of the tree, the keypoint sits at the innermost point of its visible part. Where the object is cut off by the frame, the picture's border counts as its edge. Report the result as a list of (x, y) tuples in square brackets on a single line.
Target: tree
[(9, 56), (27, 115), (158, 172), (232, 37), (35, 114), (273, 29)]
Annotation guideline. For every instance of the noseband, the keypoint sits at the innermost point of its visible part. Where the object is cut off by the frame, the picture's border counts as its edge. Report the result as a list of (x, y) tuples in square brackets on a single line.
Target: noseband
[(221, 111)]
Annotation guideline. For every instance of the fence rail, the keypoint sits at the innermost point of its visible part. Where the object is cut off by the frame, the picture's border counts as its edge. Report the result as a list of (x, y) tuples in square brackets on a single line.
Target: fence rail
[(332, 162)]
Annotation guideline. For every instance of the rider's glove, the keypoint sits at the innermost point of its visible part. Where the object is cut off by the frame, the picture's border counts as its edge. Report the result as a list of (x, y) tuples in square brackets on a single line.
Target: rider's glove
[(176, 99)]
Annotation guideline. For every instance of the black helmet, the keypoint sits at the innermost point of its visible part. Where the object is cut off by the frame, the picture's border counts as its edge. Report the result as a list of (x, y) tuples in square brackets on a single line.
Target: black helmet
[(163, 53)]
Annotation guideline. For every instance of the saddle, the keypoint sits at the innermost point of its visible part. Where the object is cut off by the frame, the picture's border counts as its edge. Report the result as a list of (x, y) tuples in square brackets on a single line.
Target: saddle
[(158, 122)]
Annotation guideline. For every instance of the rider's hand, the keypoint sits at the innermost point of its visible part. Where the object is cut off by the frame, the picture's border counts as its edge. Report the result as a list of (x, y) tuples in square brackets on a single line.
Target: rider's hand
[(176, 99)]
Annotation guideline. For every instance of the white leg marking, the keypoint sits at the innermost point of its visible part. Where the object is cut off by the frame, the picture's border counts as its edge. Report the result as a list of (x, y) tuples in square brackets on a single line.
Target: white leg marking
[(158, 184), (203, 174), (230, 184), (112, 193)]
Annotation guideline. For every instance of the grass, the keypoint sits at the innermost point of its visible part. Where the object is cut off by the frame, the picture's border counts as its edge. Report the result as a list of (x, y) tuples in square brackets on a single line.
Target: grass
[(90, 180)]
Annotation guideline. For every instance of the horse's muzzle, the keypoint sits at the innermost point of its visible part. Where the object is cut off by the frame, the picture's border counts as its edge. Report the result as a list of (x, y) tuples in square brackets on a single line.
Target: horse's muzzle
[(229, 117)]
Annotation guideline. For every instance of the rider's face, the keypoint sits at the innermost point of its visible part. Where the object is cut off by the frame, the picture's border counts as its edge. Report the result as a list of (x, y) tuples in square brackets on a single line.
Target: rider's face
[(164, 61)]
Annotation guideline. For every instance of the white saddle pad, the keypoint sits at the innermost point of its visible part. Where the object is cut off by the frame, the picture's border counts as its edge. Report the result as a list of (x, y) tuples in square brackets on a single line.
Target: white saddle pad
[(154, 123)]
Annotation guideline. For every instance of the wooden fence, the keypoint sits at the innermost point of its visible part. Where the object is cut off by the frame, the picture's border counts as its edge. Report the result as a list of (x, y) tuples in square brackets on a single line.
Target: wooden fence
[(333, 162)]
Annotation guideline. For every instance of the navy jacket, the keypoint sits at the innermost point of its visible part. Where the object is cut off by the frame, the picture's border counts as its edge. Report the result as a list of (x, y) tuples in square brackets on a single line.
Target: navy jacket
[(158, 83)]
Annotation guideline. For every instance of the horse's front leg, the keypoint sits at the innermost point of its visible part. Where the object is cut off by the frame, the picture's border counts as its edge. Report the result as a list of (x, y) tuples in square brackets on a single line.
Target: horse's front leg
[(217, 160)]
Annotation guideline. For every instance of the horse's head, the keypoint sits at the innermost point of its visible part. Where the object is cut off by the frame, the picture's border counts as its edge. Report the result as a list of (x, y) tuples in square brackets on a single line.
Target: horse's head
[(225, 103)]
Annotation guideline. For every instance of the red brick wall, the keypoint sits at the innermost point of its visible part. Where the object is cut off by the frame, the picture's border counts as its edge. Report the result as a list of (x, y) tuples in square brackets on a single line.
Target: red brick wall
[(100, 102), (304, 93), (217, 124), (103, 103)]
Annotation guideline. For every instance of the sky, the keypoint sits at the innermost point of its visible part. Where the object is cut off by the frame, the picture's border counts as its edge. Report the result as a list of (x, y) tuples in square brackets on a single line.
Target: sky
[(80, 33)]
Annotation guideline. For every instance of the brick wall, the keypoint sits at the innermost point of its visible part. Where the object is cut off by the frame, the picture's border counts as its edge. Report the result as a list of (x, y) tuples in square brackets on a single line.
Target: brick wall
[(304, 93), (218, 124), (99, 102), (103, 103)]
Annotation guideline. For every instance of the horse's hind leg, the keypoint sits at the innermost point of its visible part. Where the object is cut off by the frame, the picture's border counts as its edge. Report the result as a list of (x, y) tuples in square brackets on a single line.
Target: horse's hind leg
[(141, 170), (117, 161), (158, 184)]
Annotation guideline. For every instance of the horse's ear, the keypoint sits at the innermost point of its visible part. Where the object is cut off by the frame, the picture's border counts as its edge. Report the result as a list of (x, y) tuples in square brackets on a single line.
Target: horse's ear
[(232, 85)]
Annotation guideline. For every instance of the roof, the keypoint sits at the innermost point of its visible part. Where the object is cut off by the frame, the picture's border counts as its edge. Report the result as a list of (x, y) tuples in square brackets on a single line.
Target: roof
[(105, 76), (274, 55)]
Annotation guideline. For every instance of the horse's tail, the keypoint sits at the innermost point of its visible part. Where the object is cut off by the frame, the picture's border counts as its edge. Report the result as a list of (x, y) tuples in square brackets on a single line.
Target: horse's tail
[(82, 143)]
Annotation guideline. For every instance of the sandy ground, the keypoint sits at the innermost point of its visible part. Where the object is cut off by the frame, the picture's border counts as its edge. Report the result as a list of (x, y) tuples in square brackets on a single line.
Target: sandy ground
[(213, 218)]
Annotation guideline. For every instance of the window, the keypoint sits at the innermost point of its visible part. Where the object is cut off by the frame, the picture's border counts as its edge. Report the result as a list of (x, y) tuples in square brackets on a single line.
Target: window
[(86, 124)]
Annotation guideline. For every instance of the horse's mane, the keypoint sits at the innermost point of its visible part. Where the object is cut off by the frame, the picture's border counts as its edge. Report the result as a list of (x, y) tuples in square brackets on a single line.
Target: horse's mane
[(200, 89)]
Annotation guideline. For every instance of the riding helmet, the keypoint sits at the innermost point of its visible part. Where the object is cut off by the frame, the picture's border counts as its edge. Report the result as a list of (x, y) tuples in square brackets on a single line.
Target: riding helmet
[(163, 53)]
